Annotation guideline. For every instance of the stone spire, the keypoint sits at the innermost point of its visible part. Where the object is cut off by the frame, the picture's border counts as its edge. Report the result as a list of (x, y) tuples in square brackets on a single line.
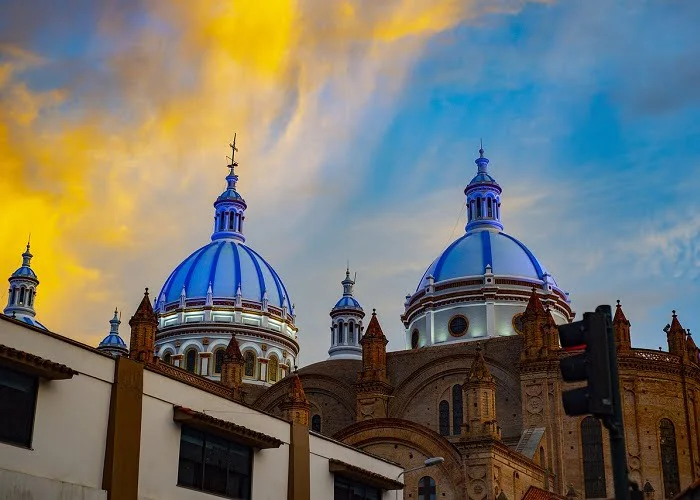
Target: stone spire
[(676, 338), (372, 388), (143, 331), (346, 323), (295, 407), (22, 291), (230, 206), (113, 344), (692, 350), (232, 369), (480, 401), (621, 327), (534, 321), (483, 198)]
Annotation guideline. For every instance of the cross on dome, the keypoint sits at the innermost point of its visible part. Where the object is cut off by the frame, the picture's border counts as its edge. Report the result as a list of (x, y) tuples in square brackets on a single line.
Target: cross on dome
[(483, 197), (230, 205)]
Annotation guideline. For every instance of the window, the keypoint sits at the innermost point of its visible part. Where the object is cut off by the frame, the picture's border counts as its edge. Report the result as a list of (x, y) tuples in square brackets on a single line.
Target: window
[(168, 358), (31, 297), (489, 206), (444, 418), (214, 465), (341, 337), (17, 405), (21, 295), (221, 222), (427, 489), (231, 217), (351, 333), (669, 458), (478, 208), (593, 464), (316, 423), (458, 325), (457, 409), (218, 360), (414, 339), (249, 369), (191, 360), (346, 489), (272, 369), (14, 295)]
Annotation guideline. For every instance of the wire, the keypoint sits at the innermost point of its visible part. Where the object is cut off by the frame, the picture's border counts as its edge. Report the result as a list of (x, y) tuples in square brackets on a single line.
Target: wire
[(459, 216)]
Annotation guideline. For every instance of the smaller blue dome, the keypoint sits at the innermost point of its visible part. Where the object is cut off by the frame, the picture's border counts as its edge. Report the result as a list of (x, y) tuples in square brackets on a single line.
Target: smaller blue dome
[(24, 272), (346, 302), (112, 341), (482, 177), (230, 195)]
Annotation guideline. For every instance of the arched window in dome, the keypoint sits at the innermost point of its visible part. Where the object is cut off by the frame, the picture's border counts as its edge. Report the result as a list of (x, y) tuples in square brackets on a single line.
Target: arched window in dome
[(14, 295), (249, 365), (218, 360), (31, 297), (457, 409), (444, 418), (272, 369), (351, 333), (478, 208), (593, 462), (191, 360), (168, 357), (341, 337), (414, 339), (427, 489), (669, 458), (22, 291), (316, 423), (221, 221)]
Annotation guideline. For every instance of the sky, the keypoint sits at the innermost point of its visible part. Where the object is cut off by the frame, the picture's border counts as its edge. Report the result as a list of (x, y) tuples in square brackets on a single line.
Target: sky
[(357, 124)]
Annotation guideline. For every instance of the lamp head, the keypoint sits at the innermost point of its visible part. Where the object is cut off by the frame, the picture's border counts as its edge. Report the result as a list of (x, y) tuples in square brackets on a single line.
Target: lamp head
[(434, 461)]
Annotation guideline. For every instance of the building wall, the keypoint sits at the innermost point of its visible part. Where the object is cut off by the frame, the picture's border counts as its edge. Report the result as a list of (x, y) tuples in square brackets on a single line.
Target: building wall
[(70, 419)]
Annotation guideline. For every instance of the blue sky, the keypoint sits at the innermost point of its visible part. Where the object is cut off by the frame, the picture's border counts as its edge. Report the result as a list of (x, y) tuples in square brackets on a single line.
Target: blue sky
[(588, 111)]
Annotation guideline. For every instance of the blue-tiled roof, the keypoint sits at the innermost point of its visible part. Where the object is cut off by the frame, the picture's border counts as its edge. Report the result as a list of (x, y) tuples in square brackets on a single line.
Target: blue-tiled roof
[(347, 302), (470, 254), (112, 340), (226, 264), (24, 272), (31, 321)]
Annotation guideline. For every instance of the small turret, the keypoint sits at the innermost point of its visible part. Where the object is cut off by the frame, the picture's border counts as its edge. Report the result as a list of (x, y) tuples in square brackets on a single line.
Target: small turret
[(143, 331), (346, 324), (372, 389), (675, 336), (230, 205), (480, 391), (232, 369), (113, 344), (621, 327), (295, 407), (483, 198), (535, 320), (22, 292)]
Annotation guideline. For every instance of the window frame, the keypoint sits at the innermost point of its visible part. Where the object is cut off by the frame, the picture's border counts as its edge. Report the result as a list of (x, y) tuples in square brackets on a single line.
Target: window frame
[(218, 351), (27, 443), (204, 437), (432, 485), (194, 368), (352, 484)]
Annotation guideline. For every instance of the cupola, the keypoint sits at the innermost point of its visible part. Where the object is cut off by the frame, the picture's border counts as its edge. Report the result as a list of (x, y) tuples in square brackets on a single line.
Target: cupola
[(113, 343), (22, 292), (346, 323)]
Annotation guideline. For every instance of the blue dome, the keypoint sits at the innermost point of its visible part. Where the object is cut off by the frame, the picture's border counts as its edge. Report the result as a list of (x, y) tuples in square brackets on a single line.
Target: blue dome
[(24, 272), (470, 254), (345, 302), (112, 341), (226, 264)]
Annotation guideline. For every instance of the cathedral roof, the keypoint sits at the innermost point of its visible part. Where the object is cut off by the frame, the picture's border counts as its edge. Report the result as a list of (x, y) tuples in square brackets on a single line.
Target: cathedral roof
[(676, 327), (144, 312), (233, 350), (619, 314), (374, 330)]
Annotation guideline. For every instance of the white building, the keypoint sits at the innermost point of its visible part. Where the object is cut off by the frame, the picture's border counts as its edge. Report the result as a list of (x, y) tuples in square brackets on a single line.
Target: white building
[(77, 422)]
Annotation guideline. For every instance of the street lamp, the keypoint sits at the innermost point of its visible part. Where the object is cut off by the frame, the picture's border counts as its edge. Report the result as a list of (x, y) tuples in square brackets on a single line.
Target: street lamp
[(428, 463)]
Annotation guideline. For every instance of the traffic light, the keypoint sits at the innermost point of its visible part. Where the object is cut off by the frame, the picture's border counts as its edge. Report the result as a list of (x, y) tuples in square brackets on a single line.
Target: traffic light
[(591, 365)]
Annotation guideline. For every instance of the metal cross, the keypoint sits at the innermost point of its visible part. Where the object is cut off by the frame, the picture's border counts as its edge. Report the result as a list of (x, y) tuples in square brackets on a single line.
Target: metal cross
[(234, 149)]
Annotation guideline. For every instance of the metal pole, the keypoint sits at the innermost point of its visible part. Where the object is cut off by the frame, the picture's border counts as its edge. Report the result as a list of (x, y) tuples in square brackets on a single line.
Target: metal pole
[(614, 424)]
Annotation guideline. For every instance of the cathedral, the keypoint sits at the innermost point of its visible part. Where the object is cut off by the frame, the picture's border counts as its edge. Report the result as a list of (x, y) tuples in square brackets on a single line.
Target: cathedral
[(477, 382)]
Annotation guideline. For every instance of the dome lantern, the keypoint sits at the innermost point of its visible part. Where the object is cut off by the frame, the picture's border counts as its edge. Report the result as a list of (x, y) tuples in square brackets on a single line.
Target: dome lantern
[(483, 198), (22, 292), (346, 323), (113, 343), (230, 205)]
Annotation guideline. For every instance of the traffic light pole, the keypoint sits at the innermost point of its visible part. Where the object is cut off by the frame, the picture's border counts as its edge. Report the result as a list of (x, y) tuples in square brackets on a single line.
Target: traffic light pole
[(614, 424)]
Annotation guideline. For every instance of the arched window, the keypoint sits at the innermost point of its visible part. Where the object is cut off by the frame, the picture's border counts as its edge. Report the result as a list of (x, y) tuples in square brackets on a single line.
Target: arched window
[(31, 297), (341, 337), (444, 418), (457, 409), (427, 489), (669, 458), (272, 369), (316, 423), (221, 221), (167, 357), (249, 368), (21, 295), (593, 463), (231, 219), (414, 339), (478, 207), (351, 333), (218, 360), (489, 207), (191, 360), (14, 295)]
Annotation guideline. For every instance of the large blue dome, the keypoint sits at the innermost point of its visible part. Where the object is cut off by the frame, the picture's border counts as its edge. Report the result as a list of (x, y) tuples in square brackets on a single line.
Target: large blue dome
[(226, 264), (470, 254)]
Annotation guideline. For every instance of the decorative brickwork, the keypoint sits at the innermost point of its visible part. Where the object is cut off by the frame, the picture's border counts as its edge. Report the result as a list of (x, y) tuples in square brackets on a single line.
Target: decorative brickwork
[(232, 369), (295, 407), (622, 330), (143, 331), (373, 389)]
